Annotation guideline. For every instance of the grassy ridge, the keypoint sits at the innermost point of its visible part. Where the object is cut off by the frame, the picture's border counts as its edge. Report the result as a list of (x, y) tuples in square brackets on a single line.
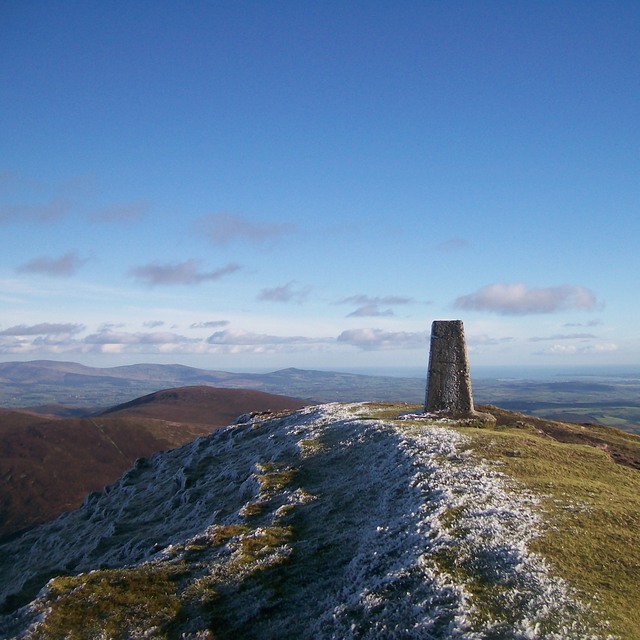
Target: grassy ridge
[(592, 507)]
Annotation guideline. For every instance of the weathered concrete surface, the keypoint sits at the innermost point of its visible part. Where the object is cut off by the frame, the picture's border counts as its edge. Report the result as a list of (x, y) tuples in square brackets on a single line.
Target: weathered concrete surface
[(449, 382)]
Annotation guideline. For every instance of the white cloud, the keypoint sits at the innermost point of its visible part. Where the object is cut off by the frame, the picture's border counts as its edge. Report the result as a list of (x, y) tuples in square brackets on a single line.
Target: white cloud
[(363, 299), (210, 324), (235, 337), (42, 338), (518, 299), (105, 341), (285, 293), (561, 349), (109, 326), (64, 266), (44, 328), (17, 345), (572, 349), (370, 310), (566, 336), (224, 228), (185, 273), (153, 324), (602, 347), (369, 306), (123, 337), (377, 339), (246, 342)]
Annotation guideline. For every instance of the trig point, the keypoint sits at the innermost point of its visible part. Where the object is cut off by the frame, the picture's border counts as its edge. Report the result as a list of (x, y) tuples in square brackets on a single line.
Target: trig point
[(449, 382)]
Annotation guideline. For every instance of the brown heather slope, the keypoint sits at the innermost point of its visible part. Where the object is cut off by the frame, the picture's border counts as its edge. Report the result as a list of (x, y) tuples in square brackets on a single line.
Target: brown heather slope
[(203, 405), (49, 465)]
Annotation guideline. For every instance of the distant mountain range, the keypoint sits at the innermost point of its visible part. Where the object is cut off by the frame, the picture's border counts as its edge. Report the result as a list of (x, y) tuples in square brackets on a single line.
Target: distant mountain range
[(68, 389), (43, 385)]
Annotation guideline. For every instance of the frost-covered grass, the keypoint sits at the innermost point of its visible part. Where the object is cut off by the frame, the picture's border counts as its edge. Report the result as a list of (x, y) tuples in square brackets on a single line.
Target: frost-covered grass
[(112, 603), (339, 521), (592, 509)]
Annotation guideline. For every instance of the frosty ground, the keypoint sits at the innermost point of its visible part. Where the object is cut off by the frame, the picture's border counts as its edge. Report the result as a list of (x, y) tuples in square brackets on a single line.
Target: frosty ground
[(331, 522)]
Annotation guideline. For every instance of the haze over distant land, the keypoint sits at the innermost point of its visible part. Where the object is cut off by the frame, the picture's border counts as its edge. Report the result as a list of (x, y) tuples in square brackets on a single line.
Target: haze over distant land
[(65, 389), (252, 187)]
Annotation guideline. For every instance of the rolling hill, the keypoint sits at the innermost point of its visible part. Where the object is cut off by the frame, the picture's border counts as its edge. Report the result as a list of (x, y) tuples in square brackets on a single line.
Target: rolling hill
[(43, 384), (201, 405), (68, 389), (49, 465), (347, 521)]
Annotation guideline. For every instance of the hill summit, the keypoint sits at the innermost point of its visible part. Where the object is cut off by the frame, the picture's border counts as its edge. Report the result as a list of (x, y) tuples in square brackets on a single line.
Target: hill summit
[(345, 521)]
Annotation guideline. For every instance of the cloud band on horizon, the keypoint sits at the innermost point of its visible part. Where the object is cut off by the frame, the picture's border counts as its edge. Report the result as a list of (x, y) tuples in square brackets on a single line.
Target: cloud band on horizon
[(376, 339), (519, 299)]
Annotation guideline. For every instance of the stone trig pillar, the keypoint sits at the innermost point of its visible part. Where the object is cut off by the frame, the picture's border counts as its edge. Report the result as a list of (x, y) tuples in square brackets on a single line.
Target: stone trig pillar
[(449, 382)]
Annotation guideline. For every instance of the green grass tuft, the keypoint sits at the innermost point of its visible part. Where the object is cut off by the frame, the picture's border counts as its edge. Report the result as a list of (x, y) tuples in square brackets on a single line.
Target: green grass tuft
[(255, 545), (111, 603), (273, 479)]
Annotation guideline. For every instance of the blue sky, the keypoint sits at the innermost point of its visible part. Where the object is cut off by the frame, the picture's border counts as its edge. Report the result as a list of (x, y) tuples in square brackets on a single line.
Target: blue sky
[(255, 185)]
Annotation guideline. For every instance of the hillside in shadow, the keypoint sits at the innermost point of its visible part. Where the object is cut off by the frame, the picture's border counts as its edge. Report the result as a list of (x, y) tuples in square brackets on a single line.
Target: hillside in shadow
[(48, 465)]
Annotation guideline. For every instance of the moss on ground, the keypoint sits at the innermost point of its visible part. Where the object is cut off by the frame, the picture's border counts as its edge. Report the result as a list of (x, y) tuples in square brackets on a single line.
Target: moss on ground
[(311, 446), (111, 603), (273, 481), (257, 544), (387, 410)]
